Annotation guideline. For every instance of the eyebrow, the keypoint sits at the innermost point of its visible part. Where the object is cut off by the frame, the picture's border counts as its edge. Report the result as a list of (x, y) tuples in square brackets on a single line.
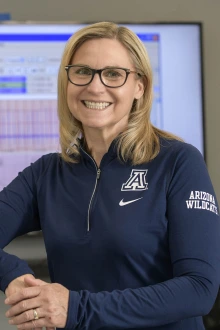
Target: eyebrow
[(106, 67)]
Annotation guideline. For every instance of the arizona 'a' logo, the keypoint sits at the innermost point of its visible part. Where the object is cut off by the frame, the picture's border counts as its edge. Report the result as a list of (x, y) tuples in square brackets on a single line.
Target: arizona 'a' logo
[(137, 181)]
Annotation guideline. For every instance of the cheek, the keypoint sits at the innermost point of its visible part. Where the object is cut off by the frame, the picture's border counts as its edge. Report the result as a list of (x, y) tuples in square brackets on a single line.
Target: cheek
[(70, 92), (126, 98), (71, 99), (71, 102), (128, 92)]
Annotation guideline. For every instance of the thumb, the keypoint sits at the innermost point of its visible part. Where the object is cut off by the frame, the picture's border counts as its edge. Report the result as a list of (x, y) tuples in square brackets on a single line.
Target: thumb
[(30, 281)]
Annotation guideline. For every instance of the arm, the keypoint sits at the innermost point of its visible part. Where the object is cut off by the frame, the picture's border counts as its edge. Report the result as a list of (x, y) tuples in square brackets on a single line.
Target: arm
[(18, 215), (194, 248)]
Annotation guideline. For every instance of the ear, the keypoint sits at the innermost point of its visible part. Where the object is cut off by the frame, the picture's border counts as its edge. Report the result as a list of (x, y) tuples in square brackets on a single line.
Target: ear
[(139, 90)]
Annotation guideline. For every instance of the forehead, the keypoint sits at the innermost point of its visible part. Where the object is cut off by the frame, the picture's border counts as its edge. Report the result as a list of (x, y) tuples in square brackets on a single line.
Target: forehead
[(99, 53)]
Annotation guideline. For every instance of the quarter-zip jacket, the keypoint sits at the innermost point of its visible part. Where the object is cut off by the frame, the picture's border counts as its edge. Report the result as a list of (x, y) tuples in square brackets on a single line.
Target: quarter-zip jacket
[(137, 246)]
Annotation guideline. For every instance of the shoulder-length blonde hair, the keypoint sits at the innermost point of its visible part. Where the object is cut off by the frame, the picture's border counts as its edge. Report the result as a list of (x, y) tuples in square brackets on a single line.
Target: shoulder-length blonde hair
[(139, 142)]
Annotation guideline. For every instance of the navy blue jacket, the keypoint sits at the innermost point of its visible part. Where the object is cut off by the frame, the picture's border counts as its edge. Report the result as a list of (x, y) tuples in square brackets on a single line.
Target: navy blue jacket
[(137, 246)]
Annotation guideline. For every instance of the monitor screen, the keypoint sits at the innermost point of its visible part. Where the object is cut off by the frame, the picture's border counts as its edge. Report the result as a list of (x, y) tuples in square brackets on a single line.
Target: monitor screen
[(29, 61)]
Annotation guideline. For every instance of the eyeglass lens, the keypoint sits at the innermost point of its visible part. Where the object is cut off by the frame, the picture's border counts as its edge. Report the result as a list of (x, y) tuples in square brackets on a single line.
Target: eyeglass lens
[(113, 77)]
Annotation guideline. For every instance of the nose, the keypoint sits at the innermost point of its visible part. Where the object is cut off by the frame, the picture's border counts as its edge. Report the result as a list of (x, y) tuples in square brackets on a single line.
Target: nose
[(96, 86)]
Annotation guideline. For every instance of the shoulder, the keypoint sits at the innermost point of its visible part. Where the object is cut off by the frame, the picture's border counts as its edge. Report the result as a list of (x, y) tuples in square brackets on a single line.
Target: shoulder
[(185, 165), (46, 163), (179, 151), (181, 160)]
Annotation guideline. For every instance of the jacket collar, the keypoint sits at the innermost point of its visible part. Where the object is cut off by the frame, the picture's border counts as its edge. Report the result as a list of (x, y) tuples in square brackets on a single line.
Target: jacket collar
[(111, 153)]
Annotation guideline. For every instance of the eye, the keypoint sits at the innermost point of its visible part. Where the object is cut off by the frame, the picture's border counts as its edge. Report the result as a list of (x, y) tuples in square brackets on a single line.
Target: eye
[(113, 73), (82, 71)]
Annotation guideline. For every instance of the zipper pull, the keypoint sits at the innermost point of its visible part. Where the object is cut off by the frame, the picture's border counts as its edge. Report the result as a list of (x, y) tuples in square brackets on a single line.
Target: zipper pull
[(98, 173)]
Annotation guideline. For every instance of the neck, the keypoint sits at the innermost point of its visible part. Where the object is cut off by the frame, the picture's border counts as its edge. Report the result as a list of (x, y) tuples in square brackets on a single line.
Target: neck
[(98, 144)]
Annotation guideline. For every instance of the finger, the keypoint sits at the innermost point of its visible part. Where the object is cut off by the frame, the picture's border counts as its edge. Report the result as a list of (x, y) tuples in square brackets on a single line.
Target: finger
[(22, 294), (31, 281), (27, 316), (35, 324), (22, 306)]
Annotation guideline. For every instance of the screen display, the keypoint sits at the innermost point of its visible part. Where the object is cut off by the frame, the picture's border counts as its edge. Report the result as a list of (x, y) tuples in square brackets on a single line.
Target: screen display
[(30, 56)]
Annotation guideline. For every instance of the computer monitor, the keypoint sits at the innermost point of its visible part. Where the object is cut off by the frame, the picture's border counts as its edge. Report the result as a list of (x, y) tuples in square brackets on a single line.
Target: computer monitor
[(29, 61)]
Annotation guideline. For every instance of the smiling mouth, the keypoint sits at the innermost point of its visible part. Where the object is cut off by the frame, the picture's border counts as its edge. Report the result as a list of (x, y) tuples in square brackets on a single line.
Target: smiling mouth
[(96, 105)]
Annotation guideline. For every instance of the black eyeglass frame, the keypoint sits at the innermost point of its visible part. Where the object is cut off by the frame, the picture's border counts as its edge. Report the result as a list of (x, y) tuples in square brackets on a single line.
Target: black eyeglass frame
[(99, 71)]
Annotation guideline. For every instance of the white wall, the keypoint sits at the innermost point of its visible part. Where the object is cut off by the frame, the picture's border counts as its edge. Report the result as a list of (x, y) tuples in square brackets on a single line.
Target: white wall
[(205, 11)]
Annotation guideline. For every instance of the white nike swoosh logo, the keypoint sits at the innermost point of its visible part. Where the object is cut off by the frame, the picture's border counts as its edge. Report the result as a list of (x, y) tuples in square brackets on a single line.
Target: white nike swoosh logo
[(122, 203)]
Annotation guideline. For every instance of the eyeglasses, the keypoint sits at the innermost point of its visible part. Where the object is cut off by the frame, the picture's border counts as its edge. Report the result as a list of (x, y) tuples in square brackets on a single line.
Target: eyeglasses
[(112, 77)]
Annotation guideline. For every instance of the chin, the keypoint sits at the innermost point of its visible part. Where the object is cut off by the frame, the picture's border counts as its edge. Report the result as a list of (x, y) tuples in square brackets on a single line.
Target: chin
[(94, 124)]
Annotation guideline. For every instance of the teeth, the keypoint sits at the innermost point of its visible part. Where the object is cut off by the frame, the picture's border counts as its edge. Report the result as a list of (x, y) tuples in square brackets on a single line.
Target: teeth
[(96, 105)]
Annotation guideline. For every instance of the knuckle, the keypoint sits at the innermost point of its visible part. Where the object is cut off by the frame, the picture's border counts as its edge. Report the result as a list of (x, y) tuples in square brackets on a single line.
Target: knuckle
[(51, 309), (23, 304), (27, 315), (24, 292), (52, 320), (34, 324), (56, 286)]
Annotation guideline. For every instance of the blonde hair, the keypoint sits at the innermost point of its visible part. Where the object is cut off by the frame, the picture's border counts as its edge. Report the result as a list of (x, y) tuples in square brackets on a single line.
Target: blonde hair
[(140, 141)]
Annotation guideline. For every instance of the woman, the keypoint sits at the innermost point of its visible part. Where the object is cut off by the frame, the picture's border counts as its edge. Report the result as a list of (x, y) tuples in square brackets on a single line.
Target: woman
[(128, 212)]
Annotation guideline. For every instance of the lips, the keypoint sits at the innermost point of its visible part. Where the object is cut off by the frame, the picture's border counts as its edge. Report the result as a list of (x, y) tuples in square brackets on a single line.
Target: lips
[(96, 105)]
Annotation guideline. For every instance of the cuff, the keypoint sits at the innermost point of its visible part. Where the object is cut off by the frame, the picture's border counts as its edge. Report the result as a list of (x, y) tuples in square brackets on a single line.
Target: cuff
[(74, 300)]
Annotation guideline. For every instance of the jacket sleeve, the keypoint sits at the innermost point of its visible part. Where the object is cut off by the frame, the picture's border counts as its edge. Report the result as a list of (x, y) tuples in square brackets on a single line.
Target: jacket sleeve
[(194, 243), (18, 216)]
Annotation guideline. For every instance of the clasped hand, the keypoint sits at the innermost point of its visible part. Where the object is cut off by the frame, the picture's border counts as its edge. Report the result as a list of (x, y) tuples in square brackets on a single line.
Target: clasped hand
[(39, 304)]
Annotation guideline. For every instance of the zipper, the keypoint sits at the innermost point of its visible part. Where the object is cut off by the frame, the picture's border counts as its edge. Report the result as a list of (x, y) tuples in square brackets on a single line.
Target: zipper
[(98, 173)]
